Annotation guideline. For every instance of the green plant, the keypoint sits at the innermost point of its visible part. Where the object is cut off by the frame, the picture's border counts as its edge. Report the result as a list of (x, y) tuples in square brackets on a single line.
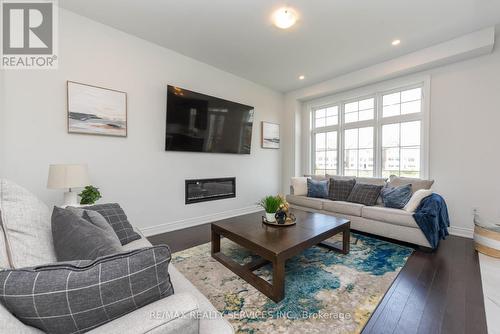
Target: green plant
[(271, 204), (89, 195)]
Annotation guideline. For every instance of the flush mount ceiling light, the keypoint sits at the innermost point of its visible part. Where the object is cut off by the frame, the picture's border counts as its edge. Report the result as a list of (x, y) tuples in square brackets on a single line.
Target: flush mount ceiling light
[(396, 42), (284, 17), (301, 77)]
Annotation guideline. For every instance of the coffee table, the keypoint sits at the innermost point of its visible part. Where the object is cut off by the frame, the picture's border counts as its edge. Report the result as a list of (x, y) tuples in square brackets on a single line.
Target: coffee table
[(276, 244)]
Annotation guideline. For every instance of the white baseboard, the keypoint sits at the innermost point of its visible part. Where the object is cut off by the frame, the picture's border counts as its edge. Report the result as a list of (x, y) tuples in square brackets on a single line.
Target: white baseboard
[(461, 232), (190, 222)]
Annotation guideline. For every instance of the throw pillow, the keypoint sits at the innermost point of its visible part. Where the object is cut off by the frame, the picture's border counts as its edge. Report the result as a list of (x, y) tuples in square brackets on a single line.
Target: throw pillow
[(340, 189), (416, 184), (397, 197), (84, 237), (365, 194), (416, 198), (75, 297), (299, 185), (317, 188), (26, 224), (117, 218), (95, 218)]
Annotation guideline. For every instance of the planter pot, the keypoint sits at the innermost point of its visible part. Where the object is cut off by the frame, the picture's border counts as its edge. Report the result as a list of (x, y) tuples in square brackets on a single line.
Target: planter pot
[(270, 217)]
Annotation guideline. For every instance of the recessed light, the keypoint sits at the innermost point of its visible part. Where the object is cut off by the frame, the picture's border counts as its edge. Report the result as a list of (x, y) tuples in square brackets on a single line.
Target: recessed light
[(396, 42), (284, 17), (301, 77)]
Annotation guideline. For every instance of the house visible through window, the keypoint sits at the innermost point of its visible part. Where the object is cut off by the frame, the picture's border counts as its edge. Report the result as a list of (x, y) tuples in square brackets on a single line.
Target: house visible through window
[(376, 135)]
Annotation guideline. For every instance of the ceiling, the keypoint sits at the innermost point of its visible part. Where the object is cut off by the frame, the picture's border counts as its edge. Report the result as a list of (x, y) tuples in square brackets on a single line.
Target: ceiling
[(332, 37)]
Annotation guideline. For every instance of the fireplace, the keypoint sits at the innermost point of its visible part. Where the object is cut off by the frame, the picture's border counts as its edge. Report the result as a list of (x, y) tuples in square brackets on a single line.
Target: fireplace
[(203, 190)]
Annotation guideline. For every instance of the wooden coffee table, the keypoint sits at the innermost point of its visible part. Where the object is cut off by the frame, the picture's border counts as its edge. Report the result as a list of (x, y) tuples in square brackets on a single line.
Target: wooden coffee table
[(276, 244)]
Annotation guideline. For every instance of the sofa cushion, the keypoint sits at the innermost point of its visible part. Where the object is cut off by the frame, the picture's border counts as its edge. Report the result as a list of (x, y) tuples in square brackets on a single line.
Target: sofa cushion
[(339, 190), (397, 197), (346, 208), (365, 194), (82, 235), (316, 177), (389, 215), (27, 228), (317, 188), (299, 185), (80, 295), (340, 177), (117, 218), (4, 256), (308, 202), (377, 181), (175, 314), (416, 184)]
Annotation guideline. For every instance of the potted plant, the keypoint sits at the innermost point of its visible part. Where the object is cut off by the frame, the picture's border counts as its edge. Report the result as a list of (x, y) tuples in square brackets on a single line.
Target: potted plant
[(89, 195), (270, 204)]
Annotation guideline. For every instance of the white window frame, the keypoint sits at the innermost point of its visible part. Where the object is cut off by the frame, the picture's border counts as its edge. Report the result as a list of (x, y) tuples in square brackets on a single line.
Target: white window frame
[(376, 91)]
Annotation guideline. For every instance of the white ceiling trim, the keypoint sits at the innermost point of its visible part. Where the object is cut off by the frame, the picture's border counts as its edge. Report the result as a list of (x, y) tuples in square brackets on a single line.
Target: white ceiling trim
[(465, 47)]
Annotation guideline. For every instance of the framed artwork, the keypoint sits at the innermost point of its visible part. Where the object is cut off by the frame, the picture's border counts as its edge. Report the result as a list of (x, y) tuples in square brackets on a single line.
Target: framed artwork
[(96, 110), (270, 135)]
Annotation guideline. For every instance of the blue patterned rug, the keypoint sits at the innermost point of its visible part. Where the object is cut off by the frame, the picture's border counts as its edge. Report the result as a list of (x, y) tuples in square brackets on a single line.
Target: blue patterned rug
[(325, 292)]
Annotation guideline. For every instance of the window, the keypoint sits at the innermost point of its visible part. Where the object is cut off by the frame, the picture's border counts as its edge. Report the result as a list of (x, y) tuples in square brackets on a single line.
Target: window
[(401, 149), (326, 153), (358, 152), (359, 110), (376, 135), (327, 116)]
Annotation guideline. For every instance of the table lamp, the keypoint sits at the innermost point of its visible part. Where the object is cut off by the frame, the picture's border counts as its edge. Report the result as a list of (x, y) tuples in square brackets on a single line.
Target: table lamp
[(68, 177)]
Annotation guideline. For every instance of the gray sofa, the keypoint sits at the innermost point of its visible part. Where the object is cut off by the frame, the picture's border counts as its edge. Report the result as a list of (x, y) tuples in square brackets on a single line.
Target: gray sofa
[(395, 224), (26, 240)]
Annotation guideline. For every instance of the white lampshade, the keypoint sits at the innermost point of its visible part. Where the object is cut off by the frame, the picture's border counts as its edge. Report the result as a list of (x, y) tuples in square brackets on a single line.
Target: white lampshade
[(68, 176)]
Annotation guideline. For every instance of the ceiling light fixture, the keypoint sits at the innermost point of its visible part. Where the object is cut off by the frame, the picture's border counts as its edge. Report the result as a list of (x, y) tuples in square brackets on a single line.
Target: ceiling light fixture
[(301, 77), (284, 17), (396, 42)]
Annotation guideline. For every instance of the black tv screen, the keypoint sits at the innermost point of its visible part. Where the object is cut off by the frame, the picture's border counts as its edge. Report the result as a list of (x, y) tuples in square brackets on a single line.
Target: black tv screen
[(202, 123)]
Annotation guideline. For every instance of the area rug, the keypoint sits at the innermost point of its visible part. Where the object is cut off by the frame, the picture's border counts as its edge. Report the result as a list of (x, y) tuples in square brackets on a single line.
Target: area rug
[(325, 292)]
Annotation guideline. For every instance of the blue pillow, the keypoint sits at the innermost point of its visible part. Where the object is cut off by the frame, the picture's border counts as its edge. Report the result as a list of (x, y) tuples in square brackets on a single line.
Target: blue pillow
[(396, 197), (317, 188)]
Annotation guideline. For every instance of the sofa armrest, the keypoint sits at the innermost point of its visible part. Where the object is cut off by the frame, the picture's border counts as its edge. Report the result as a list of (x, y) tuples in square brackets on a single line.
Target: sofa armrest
[(291, 190), (10, 324), (175, 314)]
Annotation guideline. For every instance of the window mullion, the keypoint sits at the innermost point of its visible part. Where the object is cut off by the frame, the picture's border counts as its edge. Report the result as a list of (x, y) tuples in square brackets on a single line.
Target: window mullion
[(341, 137)]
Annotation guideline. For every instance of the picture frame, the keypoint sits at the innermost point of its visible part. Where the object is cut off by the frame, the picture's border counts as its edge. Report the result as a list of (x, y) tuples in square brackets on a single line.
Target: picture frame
[(270, 135), (96, 110)]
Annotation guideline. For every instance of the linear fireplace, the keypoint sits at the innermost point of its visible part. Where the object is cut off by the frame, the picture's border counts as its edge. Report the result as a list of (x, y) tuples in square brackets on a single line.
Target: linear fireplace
[(203, 190)]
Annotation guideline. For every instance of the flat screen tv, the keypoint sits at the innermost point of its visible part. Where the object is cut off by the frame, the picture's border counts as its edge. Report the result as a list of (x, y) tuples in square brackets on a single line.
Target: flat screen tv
[(202, 123)]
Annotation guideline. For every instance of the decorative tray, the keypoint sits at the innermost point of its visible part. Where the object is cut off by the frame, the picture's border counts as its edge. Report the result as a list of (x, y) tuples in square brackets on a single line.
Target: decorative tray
[(275, 223)]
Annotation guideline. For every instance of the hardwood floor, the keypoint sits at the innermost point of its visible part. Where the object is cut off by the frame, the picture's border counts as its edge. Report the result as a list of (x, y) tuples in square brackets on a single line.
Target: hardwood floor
[(438, 292)]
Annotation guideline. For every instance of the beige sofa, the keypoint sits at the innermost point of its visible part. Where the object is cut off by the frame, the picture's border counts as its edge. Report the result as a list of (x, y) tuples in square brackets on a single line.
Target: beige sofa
[(395, 224), (26, 240)]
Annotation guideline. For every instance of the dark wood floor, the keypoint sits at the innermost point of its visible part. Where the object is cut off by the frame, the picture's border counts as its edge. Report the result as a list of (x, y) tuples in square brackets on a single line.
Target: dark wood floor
[(437, 292)]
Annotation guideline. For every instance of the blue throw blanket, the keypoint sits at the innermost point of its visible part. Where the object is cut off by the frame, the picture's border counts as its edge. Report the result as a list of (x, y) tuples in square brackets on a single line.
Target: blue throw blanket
[(432, 218)]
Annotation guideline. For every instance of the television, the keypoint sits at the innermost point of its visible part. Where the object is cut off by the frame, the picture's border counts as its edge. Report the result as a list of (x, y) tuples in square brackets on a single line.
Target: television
[(202, 123)]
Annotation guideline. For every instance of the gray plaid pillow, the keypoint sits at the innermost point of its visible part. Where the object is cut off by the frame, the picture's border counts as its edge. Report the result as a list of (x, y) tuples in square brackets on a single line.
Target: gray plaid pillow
[(75, 297), (340, 189), (363, 193), (118, 220)]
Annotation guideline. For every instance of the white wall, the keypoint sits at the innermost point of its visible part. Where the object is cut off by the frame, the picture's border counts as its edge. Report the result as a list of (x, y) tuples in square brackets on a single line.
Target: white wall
[(464, 131), (465, 137), (134, 171)]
